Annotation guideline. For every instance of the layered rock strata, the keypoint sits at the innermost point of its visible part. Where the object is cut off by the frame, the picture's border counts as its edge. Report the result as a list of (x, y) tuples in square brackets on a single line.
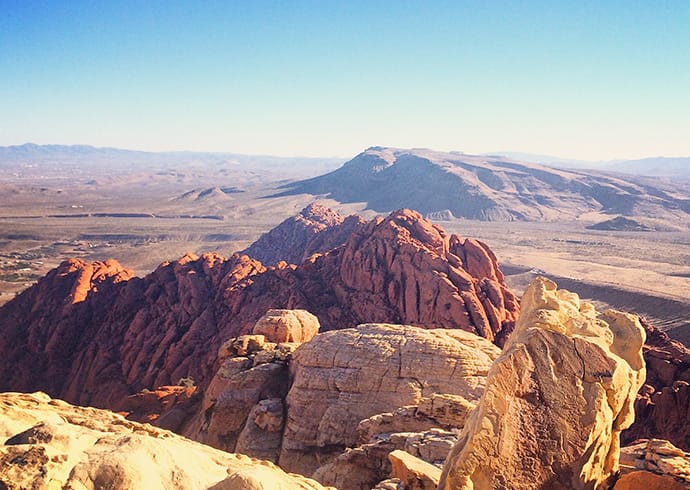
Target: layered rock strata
[(51, 444), (555, 401), (345, 376)]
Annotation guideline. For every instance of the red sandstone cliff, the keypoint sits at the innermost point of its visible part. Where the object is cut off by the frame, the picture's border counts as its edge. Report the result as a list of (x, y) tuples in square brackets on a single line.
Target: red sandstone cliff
[(92, 334)]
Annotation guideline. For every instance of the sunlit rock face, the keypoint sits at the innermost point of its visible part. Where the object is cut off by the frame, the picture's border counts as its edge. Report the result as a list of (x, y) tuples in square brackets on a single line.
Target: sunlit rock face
[(555, 401), (340, 378), (51, 444)]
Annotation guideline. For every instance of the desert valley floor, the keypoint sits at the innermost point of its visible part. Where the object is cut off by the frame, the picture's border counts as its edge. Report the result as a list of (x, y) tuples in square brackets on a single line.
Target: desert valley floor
[(645, 272)]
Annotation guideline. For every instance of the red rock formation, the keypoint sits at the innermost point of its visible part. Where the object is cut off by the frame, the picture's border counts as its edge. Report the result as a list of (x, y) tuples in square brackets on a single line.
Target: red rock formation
[(93, 335), (662, 408), (166, 406), (401, 269), (316, 229)]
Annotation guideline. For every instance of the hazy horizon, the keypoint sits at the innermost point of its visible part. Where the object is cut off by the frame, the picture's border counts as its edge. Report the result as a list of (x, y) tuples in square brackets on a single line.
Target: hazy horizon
[(595, 81)]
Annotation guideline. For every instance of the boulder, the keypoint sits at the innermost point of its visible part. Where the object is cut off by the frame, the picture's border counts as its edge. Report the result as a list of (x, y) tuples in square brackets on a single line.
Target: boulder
[(51, 444), (555, 401), (414, 473), (287, 326)]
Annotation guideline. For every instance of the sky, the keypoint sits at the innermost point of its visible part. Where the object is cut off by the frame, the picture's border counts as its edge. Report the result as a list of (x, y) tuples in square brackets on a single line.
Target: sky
[(592, 80)]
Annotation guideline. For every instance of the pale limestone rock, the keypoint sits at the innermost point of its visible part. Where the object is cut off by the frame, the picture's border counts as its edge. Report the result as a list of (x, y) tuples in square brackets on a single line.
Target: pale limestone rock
[(431, 446), (555, 401), (342, 377), (287, 326), (413, 472), (390, 484), (242, 409), (363, 466), (230, 398), (656, 456), (54, 445)]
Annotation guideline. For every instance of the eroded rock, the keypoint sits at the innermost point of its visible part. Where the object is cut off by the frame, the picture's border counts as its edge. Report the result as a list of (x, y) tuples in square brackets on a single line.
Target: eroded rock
[(342, 377), (287, 326), (91, 448), (555, 401)]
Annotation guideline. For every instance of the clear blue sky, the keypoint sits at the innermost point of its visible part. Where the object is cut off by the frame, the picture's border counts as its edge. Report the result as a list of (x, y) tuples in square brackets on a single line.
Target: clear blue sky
[(580, 79)]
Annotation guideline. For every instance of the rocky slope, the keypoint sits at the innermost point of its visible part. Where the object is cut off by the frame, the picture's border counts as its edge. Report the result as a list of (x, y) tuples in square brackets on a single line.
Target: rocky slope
[(49, 444), (555, 401), (662, 408), (489, 188), (92, 334)]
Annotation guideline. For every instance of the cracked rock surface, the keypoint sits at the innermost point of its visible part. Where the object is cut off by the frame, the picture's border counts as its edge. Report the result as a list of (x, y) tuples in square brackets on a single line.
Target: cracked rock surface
[(555, 401), (49, 444), (342, 377)]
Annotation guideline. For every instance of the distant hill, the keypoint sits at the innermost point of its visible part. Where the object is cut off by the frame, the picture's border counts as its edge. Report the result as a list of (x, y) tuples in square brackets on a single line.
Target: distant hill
[(620, 223), (653, 166), (662, 166), (81, 161), (491, 188)]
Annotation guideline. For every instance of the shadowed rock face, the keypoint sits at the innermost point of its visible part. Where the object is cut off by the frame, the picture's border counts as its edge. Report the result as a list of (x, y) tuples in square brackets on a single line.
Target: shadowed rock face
[(662, 408), (91, 334)]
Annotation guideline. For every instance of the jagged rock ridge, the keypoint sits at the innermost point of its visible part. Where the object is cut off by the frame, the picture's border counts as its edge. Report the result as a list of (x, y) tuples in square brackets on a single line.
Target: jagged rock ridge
[(488, 188), (92, 334), (316, 229)]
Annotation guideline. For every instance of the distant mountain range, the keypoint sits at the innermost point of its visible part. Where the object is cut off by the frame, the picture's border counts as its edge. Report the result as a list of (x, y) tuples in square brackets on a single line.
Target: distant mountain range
[(48, 159), (653, 166), (491, 188)]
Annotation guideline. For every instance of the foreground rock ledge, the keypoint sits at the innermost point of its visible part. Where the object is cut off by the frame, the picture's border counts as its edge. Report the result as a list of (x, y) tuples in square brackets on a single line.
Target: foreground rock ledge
[(49, 444), (555, 400)]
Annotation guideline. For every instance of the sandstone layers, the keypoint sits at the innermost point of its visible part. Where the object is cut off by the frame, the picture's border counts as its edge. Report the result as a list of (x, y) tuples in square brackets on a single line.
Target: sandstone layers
[(302, 405), (92, 334), (49, 444), (556, 400)]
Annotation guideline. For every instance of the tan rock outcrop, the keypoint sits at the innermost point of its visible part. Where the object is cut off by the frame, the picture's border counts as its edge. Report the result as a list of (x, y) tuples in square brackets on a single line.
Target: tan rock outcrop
[(49, 444), (342, 377), (555, 401), (414, 473), (655, 463), (243, 409), (167, 407), (287, 326)]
